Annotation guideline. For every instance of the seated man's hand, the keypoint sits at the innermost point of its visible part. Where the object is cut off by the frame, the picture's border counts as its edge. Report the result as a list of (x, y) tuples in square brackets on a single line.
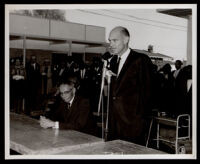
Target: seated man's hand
[(18, 77), (46, 123)]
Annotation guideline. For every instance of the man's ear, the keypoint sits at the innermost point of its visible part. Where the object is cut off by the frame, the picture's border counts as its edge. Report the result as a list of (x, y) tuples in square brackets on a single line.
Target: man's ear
[(126, 40), (74, 90)]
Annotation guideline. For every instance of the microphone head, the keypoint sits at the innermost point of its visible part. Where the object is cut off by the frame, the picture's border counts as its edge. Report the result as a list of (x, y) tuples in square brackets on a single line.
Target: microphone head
[(106, 55)]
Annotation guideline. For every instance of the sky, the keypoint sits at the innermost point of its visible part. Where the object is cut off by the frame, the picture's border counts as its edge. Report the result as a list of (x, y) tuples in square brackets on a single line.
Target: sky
[(167, 34)]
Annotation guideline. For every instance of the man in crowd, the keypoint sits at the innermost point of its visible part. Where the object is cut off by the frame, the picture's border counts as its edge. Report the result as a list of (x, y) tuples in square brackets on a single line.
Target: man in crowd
[(17, 85), (33, 85), (167, 90), (178, 65), (62, 72), (183, 95), (130, 89), (46, 77)]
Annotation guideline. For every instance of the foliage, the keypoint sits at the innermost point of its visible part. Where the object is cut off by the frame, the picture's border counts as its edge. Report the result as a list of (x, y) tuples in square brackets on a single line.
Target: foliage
[(48, 14)]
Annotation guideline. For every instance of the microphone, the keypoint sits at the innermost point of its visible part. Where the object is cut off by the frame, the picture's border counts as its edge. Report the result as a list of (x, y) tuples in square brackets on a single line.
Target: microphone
[(106, 56)]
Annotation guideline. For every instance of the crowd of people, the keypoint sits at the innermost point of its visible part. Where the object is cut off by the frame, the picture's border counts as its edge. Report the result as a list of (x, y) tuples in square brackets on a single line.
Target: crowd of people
[(35, 83), (137, 89), (173, 89)]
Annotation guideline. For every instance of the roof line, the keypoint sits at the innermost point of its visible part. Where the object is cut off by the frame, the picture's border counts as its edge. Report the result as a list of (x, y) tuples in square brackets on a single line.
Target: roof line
[(17, 36)]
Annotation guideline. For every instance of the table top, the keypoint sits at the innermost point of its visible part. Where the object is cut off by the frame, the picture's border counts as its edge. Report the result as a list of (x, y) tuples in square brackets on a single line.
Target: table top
[(115, 147), (27, 137)]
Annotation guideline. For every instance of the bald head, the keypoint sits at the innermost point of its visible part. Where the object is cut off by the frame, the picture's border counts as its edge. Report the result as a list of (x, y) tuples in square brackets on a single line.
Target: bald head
[(122, 30), (119, 39)]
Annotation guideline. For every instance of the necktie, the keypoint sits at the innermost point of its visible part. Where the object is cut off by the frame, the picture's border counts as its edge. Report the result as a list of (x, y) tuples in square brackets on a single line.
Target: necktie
[(68, 106), (114, 65), (46, 70), (17, 71), (118, 64)]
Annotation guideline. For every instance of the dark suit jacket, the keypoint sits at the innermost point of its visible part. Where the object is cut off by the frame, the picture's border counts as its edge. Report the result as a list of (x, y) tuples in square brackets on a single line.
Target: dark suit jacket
[(181, 93), (77, 117), (34, 78), (58, 77), (33, 75), (130, 96)]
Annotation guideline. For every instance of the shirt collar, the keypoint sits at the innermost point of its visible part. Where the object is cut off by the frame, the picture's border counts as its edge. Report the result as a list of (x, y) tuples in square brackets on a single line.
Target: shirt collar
[(70, 103), (125, 54)]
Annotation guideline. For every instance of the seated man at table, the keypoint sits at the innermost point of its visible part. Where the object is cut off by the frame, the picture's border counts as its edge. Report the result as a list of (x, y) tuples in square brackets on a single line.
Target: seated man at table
[(71, 109)]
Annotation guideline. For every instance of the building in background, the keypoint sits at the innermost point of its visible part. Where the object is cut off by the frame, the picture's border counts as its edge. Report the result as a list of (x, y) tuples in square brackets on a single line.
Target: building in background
[(185, 14), (157, 58), (168, 34), (45, 38)]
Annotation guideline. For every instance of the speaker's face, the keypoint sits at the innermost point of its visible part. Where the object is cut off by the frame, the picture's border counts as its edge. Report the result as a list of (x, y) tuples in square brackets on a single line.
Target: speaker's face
[(118, 43)]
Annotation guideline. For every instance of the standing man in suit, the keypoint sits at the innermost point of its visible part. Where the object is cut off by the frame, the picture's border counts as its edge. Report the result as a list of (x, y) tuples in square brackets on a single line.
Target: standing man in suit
[(62, 71), (46, 77), (18, 81), (130, 89), (178, 65), (33, 85)]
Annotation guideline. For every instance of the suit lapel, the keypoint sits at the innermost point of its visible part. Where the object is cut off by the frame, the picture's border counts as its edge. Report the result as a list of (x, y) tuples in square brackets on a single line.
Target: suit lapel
[(72, 108), (131, 57)]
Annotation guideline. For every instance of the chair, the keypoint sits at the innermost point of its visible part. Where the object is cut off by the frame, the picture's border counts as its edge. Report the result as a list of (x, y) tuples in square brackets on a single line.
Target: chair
[(171, 131)]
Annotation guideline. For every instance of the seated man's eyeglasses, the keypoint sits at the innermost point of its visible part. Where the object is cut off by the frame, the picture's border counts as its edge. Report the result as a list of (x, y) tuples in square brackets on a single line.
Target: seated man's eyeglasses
[(65, 92)]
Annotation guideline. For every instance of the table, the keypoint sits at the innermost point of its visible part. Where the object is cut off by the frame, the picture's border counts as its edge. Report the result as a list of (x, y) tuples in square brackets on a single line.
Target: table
[(27, 137), (116, 147)]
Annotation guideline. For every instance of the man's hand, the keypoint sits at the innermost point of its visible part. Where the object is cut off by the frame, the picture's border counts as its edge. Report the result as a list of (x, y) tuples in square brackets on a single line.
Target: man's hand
[(18, 77), (46, 123)]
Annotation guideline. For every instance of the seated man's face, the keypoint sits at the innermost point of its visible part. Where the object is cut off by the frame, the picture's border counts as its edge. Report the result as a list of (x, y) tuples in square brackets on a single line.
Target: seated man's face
[(67, 92)]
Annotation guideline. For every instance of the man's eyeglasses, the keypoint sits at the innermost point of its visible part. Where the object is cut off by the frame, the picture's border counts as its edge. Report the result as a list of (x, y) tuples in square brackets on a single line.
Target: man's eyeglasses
[(65, 92)]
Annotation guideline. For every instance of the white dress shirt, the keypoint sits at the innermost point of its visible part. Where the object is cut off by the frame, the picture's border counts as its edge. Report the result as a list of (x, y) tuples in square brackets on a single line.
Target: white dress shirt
[(123, 59), (71, 101), (176, 72), (34, 65), (61, 71)]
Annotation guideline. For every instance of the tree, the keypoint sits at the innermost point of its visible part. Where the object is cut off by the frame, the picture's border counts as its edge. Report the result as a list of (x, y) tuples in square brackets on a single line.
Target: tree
[(48, 14)]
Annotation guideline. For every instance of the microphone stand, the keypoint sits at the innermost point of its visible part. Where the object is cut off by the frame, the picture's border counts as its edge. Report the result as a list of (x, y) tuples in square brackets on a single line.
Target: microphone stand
[(102, 85), (109, 74), (107, 110), (100, 97)]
